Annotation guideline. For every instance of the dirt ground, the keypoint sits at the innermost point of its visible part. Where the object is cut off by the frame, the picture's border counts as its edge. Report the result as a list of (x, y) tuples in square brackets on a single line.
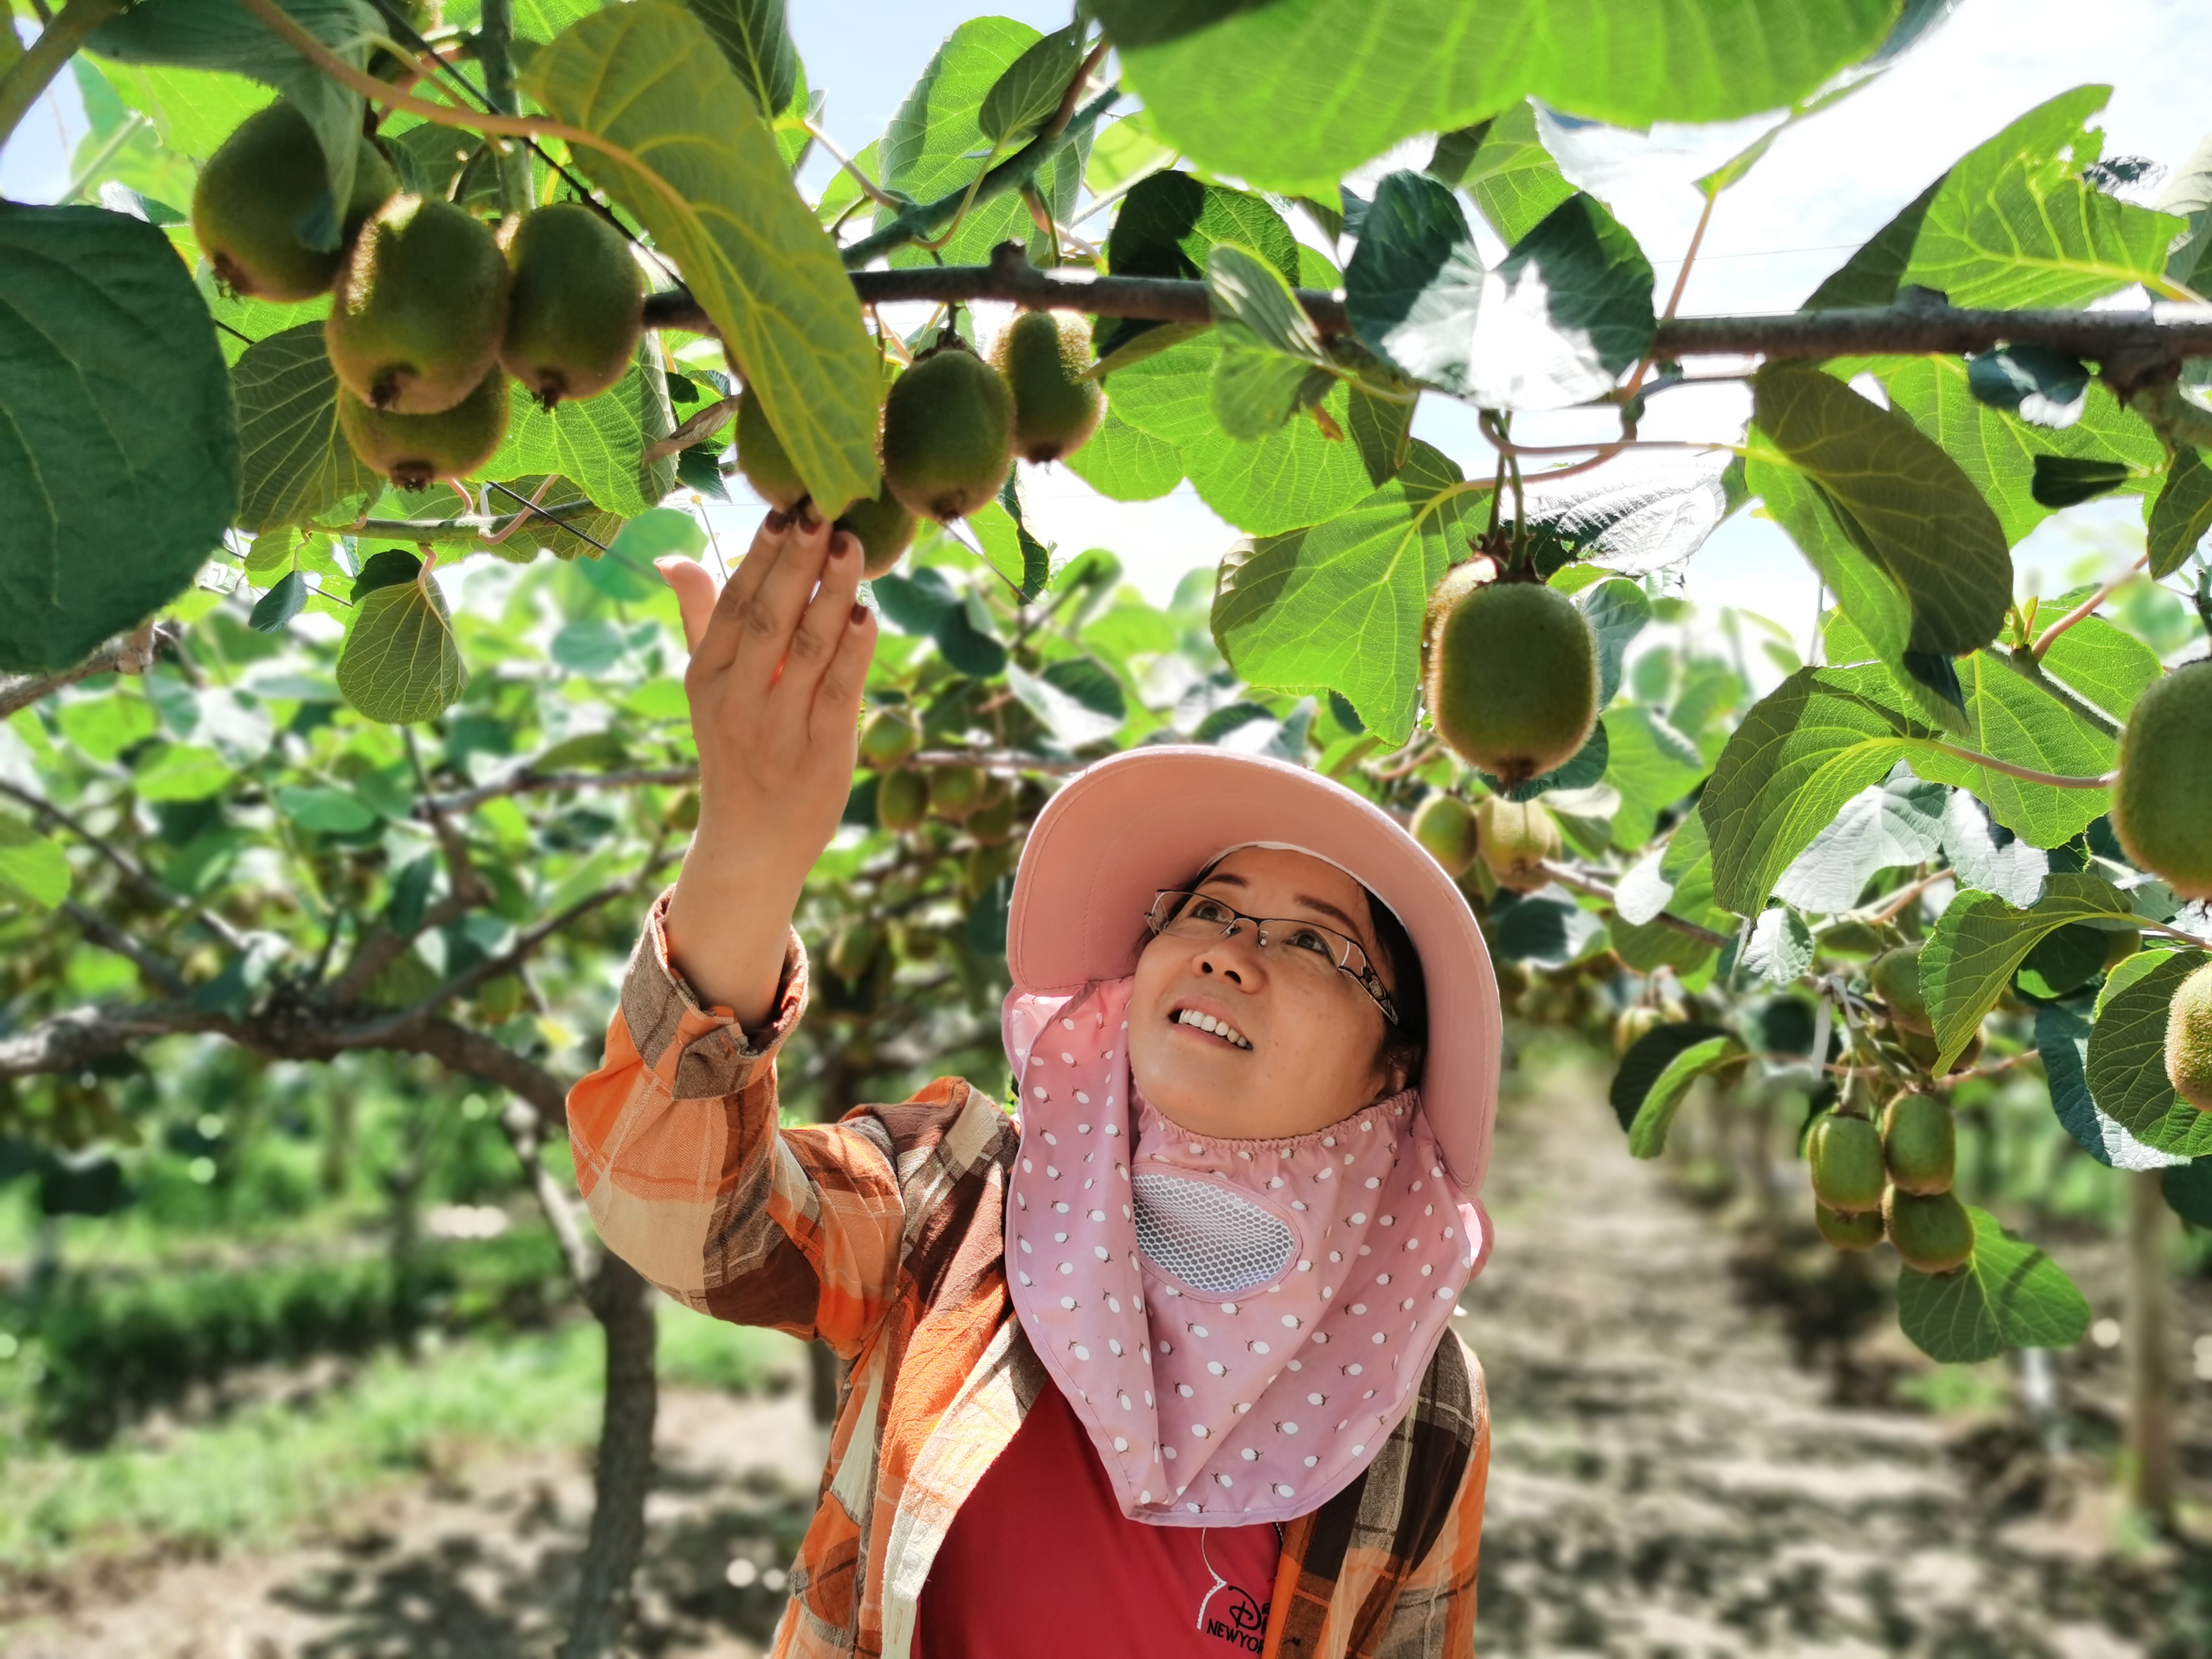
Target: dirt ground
[(1679, 1473)]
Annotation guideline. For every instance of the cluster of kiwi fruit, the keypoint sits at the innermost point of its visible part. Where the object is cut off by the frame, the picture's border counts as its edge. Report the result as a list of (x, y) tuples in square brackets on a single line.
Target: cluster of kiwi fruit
[(983, 804), (428, 304), (1892, 1179), (950, 427), (1510, 839)]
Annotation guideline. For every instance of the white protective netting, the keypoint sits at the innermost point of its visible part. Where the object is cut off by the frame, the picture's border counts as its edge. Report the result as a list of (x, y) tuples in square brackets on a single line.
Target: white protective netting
[(1209, 1238)]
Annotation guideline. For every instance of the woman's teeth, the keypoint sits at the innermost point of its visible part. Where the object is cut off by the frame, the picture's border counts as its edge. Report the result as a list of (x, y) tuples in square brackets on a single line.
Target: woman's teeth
[(1221, 1028)]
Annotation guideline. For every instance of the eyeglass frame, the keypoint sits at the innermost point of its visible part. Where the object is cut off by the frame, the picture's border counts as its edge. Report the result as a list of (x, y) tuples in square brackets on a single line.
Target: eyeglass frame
[(1364, 976)]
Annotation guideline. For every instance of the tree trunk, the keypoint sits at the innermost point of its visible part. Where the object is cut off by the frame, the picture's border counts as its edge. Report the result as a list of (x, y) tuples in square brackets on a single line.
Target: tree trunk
[(2149, 1461), (622, 1304)]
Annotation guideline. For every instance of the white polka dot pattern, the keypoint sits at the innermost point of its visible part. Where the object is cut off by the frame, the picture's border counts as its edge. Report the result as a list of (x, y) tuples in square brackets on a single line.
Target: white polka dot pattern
[(1255, 1279)]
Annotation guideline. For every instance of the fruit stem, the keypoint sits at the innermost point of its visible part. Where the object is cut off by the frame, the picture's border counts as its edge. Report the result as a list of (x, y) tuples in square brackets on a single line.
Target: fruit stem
[(27, 78)]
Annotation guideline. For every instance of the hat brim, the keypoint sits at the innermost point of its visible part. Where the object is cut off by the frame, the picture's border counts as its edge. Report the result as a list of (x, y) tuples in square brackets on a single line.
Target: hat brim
[(1119, 831)]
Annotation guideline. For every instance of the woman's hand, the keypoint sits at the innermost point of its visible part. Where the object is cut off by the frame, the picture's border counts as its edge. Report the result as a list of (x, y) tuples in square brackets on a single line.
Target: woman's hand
[(779, 660)]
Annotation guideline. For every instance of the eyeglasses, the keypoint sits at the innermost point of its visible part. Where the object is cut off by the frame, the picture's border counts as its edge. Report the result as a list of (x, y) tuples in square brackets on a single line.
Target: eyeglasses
[(1296, 946)]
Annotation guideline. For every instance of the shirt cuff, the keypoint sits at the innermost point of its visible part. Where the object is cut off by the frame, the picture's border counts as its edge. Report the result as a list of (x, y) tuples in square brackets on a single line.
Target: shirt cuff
[(711, 1054)]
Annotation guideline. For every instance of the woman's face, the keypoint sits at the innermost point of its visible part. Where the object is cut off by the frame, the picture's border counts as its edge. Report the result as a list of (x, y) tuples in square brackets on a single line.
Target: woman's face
[(1313, 1038)]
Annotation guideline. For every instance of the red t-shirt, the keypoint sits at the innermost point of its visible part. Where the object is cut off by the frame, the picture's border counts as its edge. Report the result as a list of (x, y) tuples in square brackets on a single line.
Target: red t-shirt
[(1041, 1560)]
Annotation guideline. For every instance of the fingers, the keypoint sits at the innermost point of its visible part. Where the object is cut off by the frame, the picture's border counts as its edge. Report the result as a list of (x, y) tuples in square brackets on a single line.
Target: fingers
[(696, 591), (715, 645), (838, 697), (767, 617), (824, 622)]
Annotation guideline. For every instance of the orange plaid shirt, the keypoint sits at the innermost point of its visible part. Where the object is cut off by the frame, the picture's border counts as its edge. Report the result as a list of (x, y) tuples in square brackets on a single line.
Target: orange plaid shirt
[(883, 1235)]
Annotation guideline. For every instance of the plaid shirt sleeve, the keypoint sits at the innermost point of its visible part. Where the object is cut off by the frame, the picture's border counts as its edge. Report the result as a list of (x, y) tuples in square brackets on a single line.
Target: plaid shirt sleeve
[(690, 1178)]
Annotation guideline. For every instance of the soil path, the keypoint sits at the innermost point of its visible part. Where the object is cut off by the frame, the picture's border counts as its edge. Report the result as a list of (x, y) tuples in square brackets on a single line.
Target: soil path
[(1665, 1484)]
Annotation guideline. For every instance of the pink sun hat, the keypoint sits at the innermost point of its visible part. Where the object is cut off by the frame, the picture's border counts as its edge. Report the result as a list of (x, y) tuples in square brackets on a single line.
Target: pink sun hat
[(1119, 831)]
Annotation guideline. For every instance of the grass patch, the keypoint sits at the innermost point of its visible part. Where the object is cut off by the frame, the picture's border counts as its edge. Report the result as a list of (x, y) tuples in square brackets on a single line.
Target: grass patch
[(270, 1471)]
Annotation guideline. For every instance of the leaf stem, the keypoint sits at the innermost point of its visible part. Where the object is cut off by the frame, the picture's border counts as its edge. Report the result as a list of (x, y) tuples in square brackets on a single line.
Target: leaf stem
[(869, 188), (27, 78), (2026, 774), (2086, 606)]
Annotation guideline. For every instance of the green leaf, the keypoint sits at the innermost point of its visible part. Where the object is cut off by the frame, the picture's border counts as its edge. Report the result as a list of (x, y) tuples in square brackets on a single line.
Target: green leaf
[(1250, 293), (102, 727), (32, 870), (1341, 606), (1077, 698), (193, 111), (286, 600), (118, 443), (325, 810), (2181, 515), (1617, 611), (1652, 765), (2127, 1054), (400, 663), (2188, 1191), (1168, 224), (2063, 481), (1566, 310), (1652, 1058), (1870, 277), (710, 186), (1996, 450), (1147, 22), (1903, 503), (193, 34), (2009, 1295), (182, 771), (2014, 225), (1293, 94), (2031, 381), (1780, 947), (295, 464), (1512, 177), (598, 444), (1028, 94), (625, 571), (1270, 350), (1647, 1134), (755, 37), (1293, 477), (1877, 605), (1980, 941), (1024, 562), (1125, 464), (1414, 286)]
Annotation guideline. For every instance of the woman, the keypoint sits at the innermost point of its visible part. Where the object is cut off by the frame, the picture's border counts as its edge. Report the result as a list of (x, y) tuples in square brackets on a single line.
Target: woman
[(1163, 1364)]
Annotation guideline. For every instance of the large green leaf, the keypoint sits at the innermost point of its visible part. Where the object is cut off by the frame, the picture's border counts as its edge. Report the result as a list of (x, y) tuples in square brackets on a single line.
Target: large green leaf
[(32, 870), (705, 179), (295, 465), (1339, 606), (1996, 450), (2009, 1295), (1169, 223), (935, 143), (2181, 515), (1897, 822), (2015, 226), (1512, 177), (1414, 286), (1655, 1116), (119, 444), (1565, 312), (1864, 590), (1271, 356), (1904, 502), (400, 663), (1651, 764), (1293, 94), (193, 111), (755, 37), (1647, 1060), (198, 35), (1029, 93), (1295, 477), (1126, 463), (1870, 275), (2127, 1054), (1980, 941), (598, 443)]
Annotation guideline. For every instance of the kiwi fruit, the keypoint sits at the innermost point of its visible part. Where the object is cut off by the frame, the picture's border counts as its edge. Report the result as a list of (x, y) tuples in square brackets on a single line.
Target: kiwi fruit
[(1919, 1145), (1922, 1051), (954, 790), (2162, 803), (415, 450), (882, 526), (1845, 1155), (1445, 827), (2189, 1040), (1633, 1025), (853, 949), (889, 737), (994, 817), (1512, 837), (901, 799), (947, 432), (1895, 976), (2119, 945), (264, 180), (575, 304), (761, 456), (1860, 1230), (1512, 679), (1934, 1234), (420, 306), (1043, 357)]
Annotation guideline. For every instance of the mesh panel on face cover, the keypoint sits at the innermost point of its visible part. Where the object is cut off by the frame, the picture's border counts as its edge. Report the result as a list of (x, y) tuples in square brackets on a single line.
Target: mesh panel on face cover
[(1212, 1240)]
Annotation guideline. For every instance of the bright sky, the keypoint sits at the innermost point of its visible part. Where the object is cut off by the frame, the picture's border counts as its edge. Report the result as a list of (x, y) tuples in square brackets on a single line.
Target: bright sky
[(1823, 188)]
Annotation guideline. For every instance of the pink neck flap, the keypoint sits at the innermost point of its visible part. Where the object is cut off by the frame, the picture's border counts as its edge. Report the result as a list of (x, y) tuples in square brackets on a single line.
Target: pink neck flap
[(1239, 1324)]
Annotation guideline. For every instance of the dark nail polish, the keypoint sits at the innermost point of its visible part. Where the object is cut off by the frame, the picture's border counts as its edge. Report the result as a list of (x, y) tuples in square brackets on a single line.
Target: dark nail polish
[(777, 520), (860, 613)]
